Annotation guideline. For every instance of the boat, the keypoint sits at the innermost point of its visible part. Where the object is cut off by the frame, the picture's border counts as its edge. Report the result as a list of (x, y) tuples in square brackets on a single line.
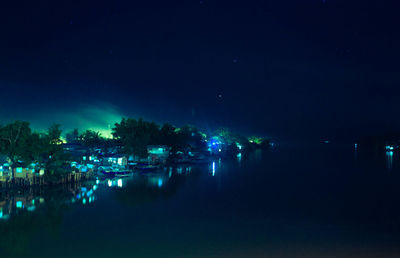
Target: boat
[(113, 171), (116, 173), (200, 159), (146, 167)]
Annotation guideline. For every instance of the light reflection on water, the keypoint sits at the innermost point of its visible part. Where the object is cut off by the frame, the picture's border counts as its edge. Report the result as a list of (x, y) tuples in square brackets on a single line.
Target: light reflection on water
[(389, 155), (238, 200), (15, 202)]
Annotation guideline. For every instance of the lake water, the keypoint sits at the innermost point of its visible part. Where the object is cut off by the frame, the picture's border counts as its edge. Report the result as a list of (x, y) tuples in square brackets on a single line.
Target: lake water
[(327, 201)]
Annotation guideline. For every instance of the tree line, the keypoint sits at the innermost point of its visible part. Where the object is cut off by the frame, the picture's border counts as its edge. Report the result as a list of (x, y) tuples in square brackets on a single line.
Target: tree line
[(22, 145)]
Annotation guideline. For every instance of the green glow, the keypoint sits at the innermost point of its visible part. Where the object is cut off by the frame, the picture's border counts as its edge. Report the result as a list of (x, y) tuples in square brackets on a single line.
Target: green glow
[(256, 140)]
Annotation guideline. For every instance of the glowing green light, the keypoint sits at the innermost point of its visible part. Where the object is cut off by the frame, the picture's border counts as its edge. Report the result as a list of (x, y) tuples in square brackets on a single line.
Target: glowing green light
[(84, 201)]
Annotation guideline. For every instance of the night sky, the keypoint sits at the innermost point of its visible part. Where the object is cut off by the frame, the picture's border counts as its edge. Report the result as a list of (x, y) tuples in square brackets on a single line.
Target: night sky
[(302, 69)]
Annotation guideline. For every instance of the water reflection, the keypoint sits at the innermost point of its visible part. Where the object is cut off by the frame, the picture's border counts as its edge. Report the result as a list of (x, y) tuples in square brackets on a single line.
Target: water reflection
[(23, 214), (389, 159), (13, 203), (143, 188)]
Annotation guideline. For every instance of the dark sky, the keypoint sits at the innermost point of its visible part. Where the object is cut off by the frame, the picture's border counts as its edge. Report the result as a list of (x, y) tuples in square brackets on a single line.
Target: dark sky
[(304, 69)]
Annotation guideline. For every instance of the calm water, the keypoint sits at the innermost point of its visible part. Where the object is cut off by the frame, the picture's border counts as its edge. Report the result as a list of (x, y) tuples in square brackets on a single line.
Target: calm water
[(327, 201)]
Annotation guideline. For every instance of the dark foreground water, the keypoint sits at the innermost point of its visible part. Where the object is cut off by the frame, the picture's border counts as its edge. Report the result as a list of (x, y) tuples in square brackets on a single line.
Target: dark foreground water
[(327, 201)]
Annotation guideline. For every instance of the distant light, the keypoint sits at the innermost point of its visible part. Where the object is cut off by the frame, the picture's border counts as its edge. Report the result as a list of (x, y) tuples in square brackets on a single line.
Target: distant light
[(219, 150), (18, 204), (388, 147), (119, 182), (109, 183), (160, 182), (84, 201)]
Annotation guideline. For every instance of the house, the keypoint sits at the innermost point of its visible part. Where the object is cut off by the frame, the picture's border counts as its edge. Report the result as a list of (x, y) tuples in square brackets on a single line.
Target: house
[(158, 153), (114, 160), (25, 172), (5, 172)]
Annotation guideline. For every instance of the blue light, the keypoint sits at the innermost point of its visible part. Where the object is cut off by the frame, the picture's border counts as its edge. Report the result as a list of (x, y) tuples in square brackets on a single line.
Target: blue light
[(160, 182), (89, 193)]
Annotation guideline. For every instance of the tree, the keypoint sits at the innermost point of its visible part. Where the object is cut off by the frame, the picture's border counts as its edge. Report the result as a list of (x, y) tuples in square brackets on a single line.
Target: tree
[(51, 154), (190, 137), (168, 135), (73, 136), (136, 135), (91, 139), (15, 142)]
